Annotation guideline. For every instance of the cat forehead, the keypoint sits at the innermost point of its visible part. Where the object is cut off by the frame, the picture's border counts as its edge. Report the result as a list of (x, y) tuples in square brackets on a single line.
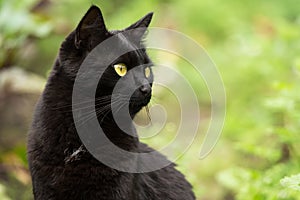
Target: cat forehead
[(124, 38), (132, 47)]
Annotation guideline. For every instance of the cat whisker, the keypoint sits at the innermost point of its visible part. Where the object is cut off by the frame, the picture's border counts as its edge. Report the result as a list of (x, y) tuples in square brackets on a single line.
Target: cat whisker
[(87, 115), (148, 113), (120, 101), (98, 101), (90, 115), (93, 105), (105, 110), (118, 108), (113, 104)]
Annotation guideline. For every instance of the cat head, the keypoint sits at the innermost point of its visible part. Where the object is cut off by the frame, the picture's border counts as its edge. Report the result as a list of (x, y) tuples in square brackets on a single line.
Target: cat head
[(132, 68)]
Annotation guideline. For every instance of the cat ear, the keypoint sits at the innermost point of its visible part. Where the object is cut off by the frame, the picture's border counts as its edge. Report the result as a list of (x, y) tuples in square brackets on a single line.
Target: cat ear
[(91, 22), (139, 28)]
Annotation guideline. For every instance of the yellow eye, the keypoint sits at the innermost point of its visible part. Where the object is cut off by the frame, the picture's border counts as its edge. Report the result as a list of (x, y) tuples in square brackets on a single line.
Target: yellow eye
[(147, 72), (121, 69)]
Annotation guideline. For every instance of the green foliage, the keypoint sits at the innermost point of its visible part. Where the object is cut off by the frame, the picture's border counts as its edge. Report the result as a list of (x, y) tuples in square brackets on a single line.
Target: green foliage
[(248, 183), (292, 182), (3, 195), (17, 24)]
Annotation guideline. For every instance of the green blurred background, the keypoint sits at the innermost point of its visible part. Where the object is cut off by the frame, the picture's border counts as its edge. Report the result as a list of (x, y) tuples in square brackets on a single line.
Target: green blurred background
[(255, 45)]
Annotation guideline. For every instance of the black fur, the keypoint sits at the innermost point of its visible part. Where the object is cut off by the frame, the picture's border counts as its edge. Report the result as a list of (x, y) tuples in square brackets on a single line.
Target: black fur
[(60, 166)]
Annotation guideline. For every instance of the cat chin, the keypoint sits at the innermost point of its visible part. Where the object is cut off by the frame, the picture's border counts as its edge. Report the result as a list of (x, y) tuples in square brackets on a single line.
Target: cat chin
[(134, 104), (135, 108), (134, 112)]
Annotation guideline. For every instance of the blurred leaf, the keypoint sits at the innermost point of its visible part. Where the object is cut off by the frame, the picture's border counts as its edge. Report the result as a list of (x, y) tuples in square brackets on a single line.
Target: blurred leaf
[(3, 193), (292, 182)]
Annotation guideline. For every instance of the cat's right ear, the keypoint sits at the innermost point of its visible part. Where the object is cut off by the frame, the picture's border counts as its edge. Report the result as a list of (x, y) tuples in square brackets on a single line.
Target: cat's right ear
[(91, 23)]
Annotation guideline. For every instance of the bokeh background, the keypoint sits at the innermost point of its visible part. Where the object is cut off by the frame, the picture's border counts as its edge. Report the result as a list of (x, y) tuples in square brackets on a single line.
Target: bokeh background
[(255, 45)]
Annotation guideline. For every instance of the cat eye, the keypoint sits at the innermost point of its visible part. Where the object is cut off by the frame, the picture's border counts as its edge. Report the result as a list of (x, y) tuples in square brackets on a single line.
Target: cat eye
[(120, 69), (147, 72)]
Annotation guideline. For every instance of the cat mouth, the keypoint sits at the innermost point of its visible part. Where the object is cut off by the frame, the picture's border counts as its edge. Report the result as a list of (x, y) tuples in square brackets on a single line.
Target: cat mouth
[(135, 104), (139, 102)]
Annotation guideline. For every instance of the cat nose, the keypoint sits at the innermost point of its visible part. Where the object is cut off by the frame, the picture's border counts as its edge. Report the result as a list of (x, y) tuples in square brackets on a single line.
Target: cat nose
[(145, 89)]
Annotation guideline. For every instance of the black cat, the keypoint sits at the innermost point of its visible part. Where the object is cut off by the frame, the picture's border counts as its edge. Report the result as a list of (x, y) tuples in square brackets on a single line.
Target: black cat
[(60, 165)]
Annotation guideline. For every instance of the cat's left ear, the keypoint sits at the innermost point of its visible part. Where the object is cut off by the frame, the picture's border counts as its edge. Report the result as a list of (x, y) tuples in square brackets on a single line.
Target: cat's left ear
[(91, 23), (138, 29)]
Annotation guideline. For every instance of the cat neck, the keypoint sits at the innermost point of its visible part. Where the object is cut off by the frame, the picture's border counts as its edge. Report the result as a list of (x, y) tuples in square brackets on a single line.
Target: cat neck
[(120, 131)]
